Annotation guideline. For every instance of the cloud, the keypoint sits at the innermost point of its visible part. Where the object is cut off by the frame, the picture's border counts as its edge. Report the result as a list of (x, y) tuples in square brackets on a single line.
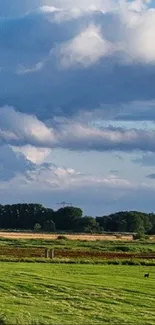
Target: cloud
[(138, 30), (23, 70), (131, 27), (140, 111), (22, 129), (103, 41), (135, 111), (49, 184), (151, 176), (58, 178), (17, 170), (86, 49), (146, 159), (33, 154), (18, 7), (18, 129), (12, 164), (23, 181), (81, 137), (114, 171), (73, 74)]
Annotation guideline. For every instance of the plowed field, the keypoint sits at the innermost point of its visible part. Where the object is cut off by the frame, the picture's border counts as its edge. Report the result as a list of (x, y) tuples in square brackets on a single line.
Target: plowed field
[(62, 253)]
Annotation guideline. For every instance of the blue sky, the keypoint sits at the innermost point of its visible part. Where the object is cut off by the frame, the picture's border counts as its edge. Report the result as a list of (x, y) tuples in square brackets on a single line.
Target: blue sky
[(77, 103)]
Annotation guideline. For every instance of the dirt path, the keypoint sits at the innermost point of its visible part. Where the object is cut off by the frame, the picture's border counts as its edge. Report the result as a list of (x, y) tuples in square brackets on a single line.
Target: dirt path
[(20, 235)]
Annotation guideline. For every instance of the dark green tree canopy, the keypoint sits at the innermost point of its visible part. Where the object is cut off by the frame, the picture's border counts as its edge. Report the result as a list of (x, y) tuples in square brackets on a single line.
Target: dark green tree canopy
[(89, 224), (29, 216), (67, 218), (127, 221)]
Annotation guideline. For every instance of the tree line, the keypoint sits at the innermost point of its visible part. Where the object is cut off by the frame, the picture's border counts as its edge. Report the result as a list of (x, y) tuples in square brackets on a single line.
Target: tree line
[(37, 217)]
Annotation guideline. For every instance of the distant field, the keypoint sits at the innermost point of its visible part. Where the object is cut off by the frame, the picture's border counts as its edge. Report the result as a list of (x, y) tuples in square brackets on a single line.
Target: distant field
[(95, 251), (23, 235), (76, 294)]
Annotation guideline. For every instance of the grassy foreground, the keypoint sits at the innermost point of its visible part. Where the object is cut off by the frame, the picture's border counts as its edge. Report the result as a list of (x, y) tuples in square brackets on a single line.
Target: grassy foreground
[(76, 294)]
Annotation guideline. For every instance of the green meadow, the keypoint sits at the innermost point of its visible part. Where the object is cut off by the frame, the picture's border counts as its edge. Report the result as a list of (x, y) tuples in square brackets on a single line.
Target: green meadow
[(37, 293), (96, 245)]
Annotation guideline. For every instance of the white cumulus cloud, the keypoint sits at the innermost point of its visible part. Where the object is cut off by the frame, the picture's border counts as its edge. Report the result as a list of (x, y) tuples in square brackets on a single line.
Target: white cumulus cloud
[(87, 48)]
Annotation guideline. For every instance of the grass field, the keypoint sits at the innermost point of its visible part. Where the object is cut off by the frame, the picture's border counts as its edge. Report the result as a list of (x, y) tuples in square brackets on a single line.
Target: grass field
[(77, 251), (76, 294), (77, 244), (69, 290)]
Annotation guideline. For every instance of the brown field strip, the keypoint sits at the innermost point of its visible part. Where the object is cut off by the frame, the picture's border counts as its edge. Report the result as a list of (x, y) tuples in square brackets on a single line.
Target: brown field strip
[(62, 253), (89, 237), (22, 252), (106, 255)]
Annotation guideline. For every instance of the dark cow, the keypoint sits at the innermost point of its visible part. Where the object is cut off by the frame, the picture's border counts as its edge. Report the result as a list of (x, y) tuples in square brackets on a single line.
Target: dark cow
[(146, 275)]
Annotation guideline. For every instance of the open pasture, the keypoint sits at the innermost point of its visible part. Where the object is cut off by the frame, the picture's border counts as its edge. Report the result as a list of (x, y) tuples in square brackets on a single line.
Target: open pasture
[(76, 294)]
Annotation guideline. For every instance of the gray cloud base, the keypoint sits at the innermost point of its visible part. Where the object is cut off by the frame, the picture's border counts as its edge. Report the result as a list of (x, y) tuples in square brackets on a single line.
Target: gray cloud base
[(20, 129)]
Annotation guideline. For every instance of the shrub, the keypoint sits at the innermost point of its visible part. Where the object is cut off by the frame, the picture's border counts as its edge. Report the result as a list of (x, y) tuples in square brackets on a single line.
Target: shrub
[(146, 237), (130, 262), (62, 237), (113, 262), (119, 236), (37, 227), (122, 248), (2, 320), (139, 235)]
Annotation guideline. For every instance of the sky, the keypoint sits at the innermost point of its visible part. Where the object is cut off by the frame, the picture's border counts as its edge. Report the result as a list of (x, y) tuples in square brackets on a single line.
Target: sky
[(77, 104)]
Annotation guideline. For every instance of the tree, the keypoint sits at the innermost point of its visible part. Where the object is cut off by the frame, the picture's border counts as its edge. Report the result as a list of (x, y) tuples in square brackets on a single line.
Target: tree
[(89, 224), (26, 216), (127, 221), (49, 226), (67, 218)]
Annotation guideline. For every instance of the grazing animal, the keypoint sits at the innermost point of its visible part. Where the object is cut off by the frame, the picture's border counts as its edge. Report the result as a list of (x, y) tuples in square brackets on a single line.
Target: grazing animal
[(146, 275)]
